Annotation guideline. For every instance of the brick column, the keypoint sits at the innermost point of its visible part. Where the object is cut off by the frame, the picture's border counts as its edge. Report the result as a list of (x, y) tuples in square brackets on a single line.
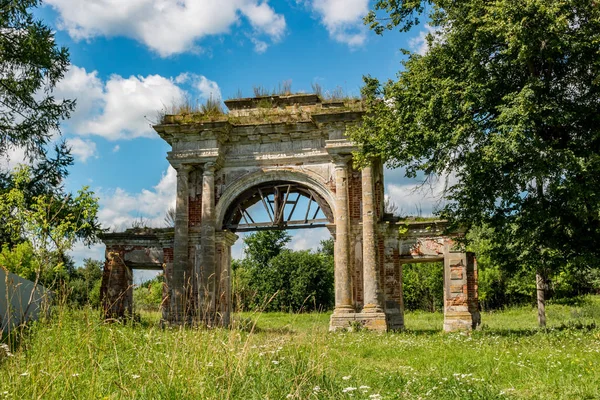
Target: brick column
[(177, 285), (372, 290), (207, 282), (343, 284), (116, 291), (461, 305)]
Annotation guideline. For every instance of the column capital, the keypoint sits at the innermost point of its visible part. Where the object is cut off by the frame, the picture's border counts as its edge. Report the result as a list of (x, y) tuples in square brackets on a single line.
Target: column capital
[(341, 161), (225, 237), (209, 168), (183, 168)]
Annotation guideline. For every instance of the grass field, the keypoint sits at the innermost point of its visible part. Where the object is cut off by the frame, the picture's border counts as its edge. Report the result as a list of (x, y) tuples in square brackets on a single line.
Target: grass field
[(75, 356)]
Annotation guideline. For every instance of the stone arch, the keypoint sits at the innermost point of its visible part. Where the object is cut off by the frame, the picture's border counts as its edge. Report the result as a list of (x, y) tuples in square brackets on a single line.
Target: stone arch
[(233, 191)]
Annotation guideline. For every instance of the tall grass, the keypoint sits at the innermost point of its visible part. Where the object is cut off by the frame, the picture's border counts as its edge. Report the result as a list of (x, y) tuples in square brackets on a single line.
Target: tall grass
[(277, 356), (208, 108)]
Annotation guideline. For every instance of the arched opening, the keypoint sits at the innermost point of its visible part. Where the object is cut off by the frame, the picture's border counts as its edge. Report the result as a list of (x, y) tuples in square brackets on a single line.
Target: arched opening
[(279, 205), (294, 205)]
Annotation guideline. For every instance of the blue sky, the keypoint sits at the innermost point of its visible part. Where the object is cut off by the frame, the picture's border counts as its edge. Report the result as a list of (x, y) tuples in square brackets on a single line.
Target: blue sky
[(132, 58)]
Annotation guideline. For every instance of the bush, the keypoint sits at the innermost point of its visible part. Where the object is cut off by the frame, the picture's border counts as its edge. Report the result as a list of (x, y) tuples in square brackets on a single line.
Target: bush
[(148, 295), (423, 286), (277, 279), (84, 284)]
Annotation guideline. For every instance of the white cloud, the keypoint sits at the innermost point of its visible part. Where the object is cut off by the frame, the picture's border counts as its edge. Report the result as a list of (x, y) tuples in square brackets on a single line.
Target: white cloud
[(419, 44), (116, 148), (13, 157), (128, 102), (308, 239), (119, 208), (417, 198), (343, 19), (208, 89), (124, 108), (166, 26), (264, 20), (81, 252), (259, 46), (82, 149)]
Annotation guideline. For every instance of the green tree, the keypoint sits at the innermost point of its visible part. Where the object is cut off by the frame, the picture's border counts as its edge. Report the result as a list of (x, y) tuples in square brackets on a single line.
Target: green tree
[(274, 278), (30, 66), (264, 245), (506, 101), (84, 281), (149, 295), (50, 223), (46, 177), (423, 286)]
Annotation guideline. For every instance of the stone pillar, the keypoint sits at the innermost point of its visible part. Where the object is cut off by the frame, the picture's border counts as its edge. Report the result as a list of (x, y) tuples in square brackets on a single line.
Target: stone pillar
[(224, 241), (373, 305), (372, 289), (116, 291), (343, 284), (208, 279), (461, 305), (177, 283)]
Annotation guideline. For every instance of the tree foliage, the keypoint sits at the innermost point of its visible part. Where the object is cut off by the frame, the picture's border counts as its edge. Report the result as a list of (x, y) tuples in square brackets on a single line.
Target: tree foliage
[(40, 230), (273, 278), (30, 66), (149, 295), (423, 286), (84, 283), (505, 102), (264, 245)]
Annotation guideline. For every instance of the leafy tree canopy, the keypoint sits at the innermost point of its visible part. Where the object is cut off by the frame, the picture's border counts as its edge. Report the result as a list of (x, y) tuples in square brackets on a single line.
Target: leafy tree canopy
[(30, 66), (504, 102), (262, 246)]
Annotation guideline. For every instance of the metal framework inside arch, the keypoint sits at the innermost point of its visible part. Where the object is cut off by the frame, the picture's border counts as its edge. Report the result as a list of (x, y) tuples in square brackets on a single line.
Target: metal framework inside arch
[(277, 205)]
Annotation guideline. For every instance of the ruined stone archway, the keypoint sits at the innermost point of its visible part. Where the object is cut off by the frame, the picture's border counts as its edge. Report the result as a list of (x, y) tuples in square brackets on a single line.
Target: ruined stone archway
[(273, 145)]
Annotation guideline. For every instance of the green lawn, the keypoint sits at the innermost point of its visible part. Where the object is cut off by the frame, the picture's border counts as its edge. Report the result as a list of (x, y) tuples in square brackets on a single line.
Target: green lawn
[(73, 355)]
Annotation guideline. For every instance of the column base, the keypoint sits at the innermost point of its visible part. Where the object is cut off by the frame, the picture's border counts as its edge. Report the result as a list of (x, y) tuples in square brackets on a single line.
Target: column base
[(355, 321), (371, 308), (459, 318)]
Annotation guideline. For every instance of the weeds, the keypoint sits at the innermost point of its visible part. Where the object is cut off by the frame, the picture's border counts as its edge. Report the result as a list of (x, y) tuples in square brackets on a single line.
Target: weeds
[(280, 356), (282, 89), (192, 111)]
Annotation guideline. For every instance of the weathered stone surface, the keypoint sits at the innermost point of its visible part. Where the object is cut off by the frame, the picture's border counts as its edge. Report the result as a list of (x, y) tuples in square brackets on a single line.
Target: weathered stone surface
[(283, 140), (143, 258)]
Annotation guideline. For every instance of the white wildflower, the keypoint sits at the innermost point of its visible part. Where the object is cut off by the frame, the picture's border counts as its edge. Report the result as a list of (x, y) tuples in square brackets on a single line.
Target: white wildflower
[(75, 375), (275, 362), (346, 377), (6, 349), (134, 376), (375, 396), (349, 389), (317, 389)]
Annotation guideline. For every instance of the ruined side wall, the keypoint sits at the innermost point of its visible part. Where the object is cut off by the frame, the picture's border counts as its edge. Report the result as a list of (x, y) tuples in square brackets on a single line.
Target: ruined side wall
[(124, 253)]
